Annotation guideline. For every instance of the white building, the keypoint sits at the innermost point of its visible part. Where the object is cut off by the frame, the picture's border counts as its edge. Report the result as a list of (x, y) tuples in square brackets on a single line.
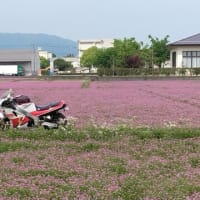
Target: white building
[(99, 43), (74, 61), (45, 54), (185, 52)]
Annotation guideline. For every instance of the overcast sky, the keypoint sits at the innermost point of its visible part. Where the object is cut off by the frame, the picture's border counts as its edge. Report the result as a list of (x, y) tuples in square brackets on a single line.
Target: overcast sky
[(90, 19)]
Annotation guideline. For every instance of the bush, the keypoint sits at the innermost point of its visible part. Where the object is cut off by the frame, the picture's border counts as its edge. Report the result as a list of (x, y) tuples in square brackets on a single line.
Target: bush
[(196, 71), (168, 71), (135, 71), (86, 83), (182, 71)]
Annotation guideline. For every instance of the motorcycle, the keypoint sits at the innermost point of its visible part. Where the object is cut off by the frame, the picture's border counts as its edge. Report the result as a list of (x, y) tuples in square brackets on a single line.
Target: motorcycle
[(20, 112)]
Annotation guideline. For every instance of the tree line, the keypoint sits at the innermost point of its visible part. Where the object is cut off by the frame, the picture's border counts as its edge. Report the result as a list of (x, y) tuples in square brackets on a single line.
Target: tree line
[(128, 53), (59, 64), (125, 54)]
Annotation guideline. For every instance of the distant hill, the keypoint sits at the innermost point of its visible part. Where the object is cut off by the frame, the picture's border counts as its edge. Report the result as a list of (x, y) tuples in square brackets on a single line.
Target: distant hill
[(54, 44)]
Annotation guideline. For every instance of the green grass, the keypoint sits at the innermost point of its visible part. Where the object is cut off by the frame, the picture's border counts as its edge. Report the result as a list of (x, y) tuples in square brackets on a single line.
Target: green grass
[(141, 186), (17, 145), (195, 162), (51, 172), (90, 147), (101, 133), (18, 160), (121, 162), (116, 165), (19, 192)]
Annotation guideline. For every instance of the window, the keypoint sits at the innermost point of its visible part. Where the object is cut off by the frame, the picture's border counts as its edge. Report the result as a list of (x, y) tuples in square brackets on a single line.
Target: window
[(191, 58)]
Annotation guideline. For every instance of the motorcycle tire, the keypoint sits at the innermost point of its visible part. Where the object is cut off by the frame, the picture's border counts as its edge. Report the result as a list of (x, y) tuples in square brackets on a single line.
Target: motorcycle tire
[(60, 119)]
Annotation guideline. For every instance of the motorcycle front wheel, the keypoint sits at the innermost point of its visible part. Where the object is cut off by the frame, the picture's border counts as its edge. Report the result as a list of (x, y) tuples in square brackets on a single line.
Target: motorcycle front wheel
[(4, 124)]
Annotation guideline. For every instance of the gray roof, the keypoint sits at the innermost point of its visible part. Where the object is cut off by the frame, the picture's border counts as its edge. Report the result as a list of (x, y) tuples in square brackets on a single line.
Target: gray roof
[(16, 55), (192, 40)]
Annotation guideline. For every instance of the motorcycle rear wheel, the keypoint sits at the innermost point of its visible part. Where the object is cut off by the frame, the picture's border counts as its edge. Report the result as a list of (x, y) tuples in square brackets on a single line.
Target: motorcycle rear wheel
[(61, 120)]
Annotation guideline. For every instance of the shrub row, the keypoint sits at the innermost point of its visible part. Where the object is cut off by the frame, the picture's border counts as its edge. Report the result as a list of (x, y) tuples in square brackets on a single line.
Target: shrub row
[(139, 71), (148, 71)]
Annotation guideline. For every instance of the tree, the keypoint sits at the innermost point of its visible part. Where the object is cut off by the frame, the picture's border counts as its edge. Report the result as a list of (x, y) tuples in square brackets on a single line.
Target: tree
[(62, 65), (134, 61), (127, 53), (105, 58), (89, 57), (125, 48), (44, 63), (160, 50), (146, 56)]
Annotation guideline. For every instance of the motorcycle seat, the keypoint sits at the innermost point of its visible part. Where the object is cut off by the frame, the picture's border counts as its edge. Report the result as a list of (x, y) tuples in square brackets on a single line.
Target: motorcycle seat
[(46, 107)]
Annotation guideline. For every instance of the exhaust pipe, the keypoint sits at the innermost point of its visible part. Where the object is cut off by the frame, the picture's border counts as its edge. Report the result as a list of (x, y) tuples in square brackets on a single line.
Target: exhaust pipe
[(49, 125)]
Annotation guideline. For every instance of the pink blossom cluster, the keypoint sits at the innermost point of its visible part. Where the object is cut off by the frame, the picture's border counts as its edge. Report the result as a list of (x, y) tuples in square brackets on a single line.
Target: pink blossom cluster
[(146, 103)]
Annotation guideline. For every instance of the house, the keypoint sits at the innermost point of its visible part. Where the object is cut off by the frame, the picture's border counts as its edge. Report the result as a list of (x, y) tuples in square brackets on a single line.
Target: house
[(185, 53)]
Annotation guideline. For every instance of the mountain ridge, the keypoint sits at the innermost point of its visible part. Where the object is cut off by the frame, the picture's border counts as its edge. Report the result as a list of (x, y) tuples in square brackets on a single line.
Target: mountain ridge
[(52, 43)]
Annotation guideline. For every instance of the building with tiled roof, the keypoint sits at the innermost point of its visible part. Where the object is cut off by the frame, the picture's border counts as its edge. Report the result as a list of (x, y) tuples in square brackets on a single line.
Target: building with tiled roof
[(185, 53)]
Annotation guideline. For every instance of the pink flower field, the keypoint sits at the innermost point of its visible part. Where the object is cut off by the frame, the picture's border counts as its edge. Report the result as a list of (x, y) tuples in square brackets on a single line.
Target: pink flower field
[(139, 103), (114, 162)]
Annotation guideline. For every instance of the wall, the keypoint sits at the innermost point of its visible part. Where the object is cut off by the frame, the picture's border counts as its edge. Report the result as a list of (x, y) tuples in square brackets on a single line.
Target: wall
[(99, 43), (45, 54), (179, 50)]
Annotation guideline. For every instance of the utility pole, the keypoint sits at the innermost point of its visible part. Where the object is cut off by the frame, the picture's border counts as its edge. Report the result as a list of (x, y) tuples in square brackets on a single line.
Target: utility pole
[(33, 67), (113, 67), (152, 60), (51, 67)]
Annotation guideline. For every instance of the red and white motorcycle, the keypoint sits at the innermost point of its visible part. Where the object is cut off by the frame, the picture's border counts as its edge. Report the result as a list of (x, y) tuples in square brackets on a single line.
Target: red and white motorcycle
[(19, 111)]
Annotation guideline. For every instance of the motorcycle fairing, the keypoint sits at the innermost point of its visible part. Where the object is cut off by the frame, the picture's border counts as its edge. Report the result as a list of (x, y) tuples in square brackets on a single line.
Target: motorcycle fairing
[(16, 119)]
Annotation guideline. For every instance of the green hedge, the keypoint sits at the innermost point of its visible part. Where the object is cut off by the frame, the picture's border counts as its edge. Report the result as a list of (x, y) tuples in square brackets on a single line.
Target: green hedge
[(148, 71), (137, 71)]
